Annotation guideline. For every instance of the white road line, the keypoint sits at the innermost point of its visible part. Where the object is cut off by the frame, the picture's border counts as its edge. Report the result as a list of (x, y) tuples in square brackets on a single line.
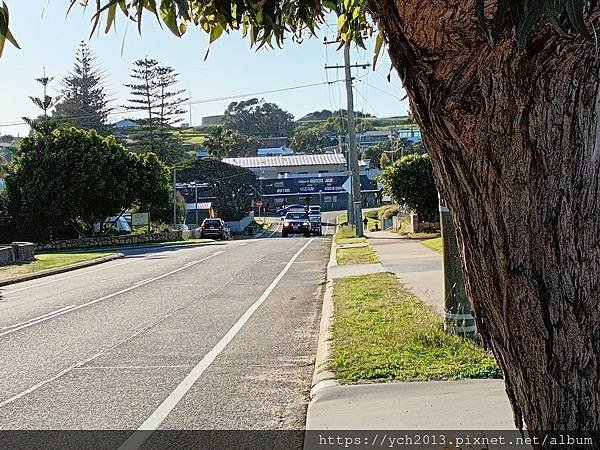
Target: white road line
[(276, 230), (326, 229), (66, 278), (38, 318), (145, 280), (114, 294), (152, 423)]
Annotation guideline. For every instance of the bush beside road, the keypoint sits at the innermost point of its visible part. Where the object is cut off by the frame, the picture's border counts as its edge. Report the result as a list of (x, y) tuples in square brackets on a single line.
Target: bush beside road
[(382, 332)]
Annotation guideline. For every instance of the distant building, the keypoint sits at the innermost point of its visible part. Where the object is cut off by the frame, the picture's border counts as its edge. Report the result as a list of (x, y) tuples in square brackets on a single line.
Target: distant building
[(370, 138), (286, 180), (272, 142), (275, 151), (213, 120), (126, 123)]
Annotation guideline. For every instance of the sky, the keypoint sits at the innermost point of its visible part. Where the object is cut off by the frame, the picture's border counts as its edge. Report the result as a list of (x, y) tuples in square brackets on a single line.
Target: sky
[(49, 39)]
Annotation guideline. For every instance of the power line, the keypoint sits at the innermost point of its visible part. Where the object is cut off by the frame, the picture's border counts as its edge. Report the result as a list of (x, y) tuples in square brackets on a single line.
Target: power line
[(384, 92), (195, 102)]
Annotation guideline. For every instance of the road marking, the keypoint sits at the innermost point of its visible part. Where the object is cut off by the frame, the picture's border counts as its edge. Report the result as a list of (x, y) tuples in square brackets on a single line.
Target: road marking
[(243, 243), (35, 319), (114, 294), (82, 363), (66, 278), (137, 439), (276, 230), (326, 229), (145, 281)]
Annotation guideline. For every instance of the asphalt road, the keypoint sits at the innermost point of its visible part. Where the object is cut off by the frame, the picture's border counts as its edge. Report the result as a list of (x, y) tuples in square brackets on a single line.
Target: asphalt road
[(218, 336)]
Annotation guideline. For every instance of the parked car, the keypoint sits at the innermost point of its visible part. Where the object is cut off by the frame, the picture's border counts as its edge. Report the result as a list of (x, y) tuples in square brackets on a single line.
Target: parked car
[(315, 225), (289, 208), (180, 227), (314, 210), (296, 223), (215, 228)]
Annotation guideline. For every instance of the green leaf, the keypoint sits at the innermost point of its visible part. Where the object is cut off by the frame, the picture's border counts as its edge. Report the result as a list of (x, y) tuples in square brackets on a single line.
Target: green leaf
[(168, 15), (379, 41), (216, 32), (575, 13), (110, 18)]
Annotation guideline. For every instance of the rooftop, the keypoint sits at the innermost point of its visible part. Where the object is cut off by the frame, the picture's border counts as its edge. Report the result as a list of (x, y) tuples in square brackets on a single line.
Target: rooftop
[(334, 159)]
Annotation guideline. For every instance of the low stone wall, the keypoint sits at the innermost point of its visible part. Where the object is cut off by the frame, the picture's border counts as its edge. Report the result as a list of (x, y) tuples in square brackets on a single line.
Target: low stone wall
[(16, 252), (6, 255), (110, 241), (23, 251)]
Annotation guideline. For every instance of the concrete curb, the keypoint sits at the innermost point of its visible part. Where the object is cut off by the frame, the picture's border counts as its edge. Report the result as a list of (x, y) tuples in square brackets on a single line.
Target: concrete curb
[(322, 377), (57, 270)]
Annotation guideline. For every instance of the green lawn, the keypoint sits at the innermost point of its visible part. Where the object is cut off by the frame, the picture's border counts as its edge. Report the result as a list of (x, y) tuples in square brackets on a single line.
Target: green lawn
[(48, 261), (356, 255), (382, 332), (434, 244), (347, 235)]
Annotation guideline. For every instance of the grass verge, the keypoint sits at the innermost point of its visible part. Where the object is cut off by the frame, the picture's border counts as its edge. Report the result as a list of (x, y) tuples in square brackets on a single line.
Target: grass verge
[(48, 261), (434, 244), (347, 235), (382, 332), (356, 255)]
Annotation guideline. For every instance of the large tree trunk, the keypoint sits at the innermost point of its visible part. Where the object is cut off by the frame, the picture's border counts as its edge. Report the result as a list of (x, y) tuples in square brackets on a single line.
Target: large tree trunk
[(515, 144)]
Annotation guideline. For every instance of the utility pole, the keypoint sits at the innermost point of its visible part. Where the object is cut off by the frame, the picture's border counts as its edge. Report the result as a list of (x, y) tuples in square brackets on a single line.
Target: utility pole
[(457, 318), (352, 149), (355, 210), (174, 196)]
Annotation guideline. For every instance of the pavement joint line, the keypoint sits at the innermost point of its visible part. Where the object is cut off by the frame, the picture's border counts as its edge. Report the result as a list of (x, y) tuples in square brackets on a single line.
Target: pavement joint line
[(137, 439), (35, 319), (114, 294), (68, 277)]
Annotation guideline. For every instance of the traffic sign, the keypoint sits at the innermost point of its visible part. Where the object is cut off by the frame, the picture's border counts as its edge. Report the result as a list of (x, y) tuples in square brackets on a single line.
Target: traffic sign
[(347, 186)]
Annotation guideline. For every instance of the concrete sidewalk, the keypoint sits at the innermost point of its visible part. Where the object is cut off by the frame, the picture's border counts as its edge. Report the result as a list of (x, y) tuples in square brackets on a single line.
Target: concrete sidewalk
[(433, 405), (418, 267), (437, 405)]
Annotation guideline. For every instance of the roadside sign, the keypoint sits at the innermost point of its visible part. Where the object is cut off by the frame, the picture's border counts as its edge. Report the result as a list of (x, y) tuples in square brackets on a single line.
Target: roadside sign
[(140, 219), (259, 204), (347, 186)]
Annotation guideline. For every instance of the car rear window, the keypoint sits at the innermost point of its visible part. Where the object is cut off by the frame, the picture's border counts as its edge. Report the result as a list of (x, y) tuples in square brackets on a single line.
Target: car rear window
[(212, 222)]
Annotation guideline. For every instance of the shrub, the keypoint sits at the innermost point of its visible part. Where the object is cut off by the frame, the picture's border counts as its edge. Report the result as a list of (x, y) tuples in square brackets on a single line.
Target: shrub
[(409, 181)]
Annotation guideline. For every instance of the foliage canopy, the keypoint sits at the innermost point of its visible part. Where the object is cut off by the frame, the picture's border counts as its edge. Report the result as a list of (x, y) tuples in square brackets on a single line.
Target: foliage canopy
[(409, 181), (266, 23)]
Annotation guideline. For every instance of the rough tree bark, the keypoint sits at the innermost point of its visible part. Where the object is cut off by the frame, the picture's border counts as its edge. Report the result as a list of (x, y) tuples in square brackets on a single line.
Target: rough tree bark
[(514, 137)]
